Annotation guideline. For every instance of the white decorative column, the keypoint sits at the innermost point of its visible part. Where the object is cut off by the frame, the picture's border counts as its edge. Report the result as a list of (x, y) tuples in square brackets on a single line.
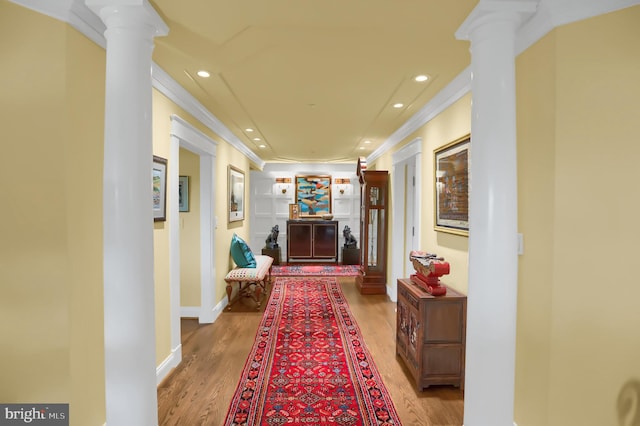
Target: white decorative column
[(129, 325), (493, 215)]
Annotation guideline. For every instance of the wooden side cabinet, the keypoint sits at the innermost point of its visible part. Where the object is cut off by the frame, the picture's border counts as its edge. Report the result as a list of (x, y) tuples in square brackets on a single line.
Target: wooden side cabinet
[(312, 239), (431, 334)]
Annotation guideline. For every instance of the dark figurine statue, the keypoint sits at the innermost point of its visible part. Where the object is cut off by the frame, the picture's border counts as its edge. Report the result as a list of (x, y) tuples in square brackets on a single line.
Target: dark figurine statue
[(349, 240), (272, 239)]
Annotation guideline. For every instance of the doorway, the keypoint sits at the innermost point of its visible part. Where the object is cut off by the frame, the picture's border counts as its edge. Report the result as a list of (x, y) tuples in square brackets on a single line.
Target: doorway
[(184, 135), (406, 184)]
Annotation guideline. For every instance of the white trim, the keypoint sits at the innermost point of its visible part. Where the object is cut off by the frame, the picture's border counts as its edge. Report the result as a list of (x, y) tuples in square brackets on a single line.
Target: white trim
[(411, 153), (172, 90), (192, 137), (171, 362), (456, 89), (551, 14), (189, 311), (408, 151), (79, 16), (217, 310), (185, 135)]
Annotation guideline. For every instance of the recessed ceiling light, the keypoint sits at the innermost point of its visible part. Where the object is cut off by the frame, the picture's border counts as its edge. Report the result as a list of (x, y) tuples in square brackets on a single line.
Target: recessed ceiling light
[(203, 73), (256, 139), (398, 105), (367, 142), (362, 147), (262, 145), (421, 78), (248, 129)]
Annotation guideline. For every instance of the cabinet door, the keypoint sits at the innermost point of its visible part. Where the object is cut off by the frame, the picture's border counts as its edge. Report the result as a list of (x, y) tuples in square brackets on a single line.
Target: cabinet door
[(324, 240), (402, 325), (299, 240), (443, 321)]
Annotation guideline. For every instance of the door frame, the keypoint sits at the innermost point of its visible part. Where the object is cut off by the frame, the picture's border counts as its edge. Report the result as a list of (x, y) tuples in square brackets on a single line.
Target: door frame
[(184, 135), (409, 155)]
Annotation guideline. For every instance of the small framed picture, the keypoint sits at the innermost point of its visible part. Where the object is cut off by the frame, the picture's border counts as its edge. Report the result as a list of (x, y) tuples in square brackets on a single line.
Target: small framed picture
[(159, 177), (235, 194), (183, 193), (294, 212)]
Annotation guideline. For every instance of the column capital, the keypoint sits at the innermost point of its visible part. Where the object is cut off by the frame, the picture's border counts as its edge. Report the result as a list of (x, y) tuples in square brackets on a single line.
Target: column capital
[(123, 12), (490, 11)]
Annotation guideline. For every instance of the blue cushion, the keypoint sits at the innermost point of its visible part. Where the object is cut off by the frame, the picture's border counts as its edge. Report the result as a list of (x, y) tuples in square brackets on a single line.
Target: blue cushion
[(241, 253)]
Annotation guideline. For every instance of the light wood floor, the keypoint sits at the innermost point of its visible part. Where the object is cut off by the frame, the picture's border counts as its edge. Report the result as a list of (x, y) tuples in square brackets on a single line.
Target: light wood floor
[(199, 390)]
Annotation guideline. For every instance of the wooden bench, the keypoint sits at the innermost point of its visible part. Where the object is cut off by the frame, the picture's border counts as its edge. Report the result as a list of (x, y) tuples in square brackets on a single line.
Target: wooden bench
[(246, 277)]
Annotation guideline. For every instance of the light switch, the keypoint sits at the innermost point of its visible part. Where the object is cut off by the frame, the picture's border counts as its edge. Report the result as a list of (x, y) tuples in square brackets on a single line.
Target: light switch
[(520, 245)]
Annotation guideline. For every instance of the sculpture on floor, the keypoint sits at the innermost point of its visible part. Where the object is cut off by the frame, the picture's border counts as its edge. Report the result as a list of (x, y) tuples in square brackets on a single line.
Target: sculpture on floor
[(272, 239), (349, 240)]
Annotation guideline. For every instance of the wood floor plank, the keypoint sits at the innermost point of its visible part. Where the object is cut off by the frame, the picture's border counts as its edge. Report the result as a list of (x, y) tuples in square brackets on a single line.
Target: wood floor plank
[(199, 390)]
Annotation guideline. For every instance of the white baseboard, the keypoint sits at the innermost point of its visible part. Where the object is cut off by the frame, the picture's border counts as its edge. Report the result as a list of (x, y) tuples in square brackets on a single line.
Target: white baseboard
[(215, 312), (168, 364), (189, 311)]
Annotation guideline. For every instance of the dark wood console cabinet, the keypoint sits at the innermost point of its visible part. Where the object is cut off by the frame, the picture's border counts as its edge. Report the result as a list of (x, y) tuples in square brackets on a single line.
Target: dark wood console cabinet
[(312, 239), (431, 334)]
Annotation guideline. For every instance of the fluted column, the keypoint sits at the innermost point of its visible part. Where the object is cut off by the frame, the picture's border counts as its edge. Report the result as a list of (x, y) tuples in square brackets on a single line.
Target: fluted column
[(129, 325), (493, 214)]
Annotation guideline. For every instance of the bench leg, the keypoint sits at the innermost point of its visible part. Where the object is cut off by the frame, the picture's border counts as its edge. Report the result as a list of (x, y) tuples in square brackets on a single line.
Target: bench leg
[(229, 292), (258, 290)]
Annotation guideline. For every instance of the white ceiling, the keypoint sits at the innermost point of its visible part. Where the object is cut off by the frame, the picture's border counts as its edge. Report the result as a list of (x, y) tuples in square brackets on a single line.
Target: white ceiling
[(314, 79)]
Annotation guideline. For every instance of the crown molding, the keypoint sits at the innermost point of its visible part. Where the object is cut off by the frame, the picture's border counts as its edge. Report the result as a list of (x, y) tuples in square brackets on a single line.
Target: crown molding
[(549, 15), (79, 16), (553, 13), (178, 94), (456, 89)]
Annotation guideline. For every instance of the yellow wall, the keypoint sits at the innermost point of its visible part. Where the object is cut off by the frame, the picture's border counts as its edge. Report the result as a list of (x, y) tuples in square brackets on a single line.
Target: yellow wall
[(190, 232), (578, 123), (578, 317), (84, 167), (228, 155), (595, 344), (163, 109), (448, 126), (51, 309), (52, 105), (536, 118)]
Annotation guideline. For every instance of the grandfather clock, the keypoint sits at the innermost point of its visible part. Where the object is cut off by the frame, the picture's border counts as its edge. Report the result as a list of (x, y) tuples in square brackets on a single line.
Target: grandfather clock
[(373, 230)]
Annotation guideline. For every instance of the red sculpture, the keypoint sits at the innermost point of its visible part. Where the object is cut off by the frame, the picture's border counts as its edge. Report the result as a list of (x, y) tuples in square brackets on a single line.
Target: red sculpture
[(429, 268)]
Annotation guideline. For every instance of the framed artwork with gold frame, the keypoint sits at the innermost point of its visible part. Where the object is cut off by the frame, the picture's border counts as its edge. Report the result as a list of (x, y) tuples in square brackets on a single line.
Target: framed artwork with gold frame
[(235, 193), (159, 179), (451, 181), (313, 195), (293, 211)]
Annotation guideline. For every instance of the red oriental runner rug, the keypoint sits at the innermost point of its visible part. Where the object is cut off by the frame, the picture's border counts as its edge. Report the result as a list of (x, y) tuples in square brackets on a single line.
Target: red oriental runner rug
[(309, 364), (315, 270)]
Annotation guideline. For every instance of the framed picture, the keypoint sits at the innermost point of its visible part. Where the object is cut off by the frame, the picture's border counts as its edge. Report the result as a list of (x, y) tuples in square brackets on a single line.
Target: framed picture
[(235, 194), (451, 178), (293, 211), (183, 193), (159, 177), (313, 195)]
